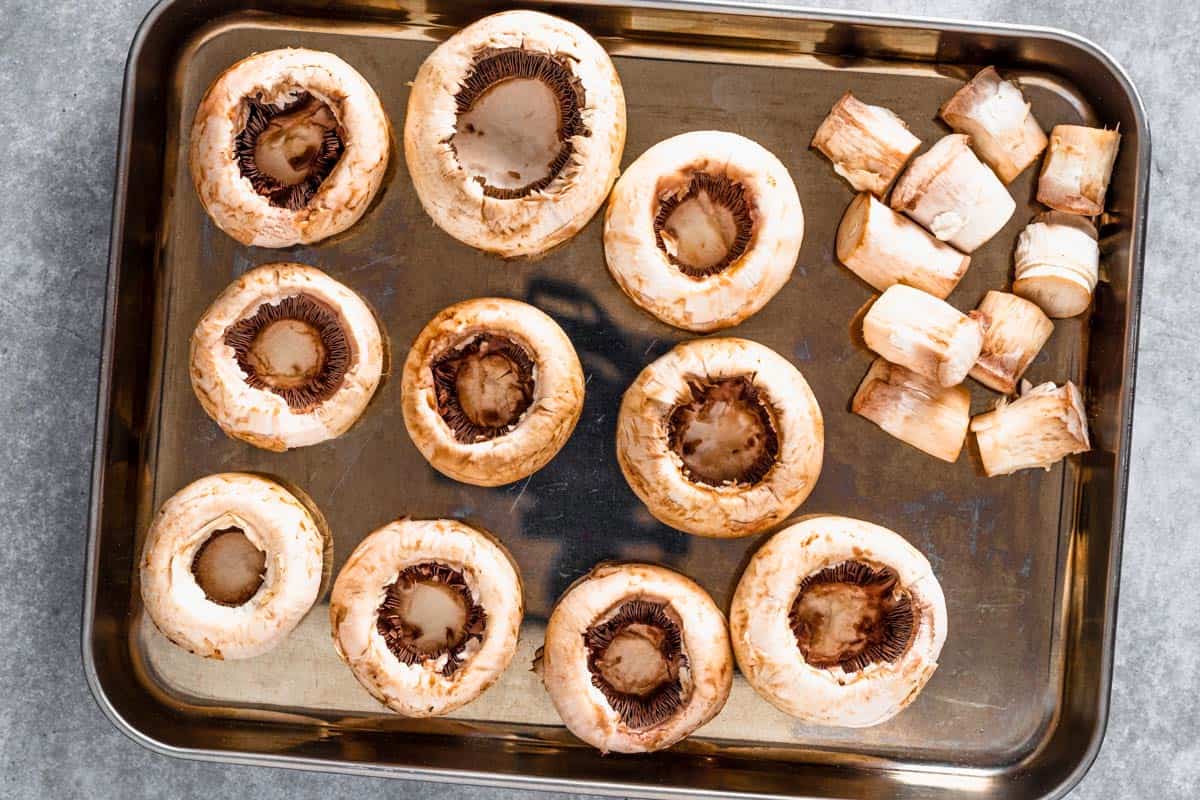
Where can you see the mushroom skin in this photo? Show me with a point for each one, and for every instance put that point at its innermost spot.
(644, 271)
(541, 430)
(421, 690)
(655, 471)
(868, 145)
(260, 416)
(765, 645)
(343, 196)
(707, 676)
(954, 195)
(530, 225)
(999, 120)
(294, 536)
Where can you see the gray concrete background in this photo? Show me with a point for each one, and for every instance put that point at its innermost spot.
(60, 79)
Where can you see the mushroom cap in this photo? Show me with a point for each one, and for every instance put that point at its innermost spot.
(583, 707)
(344, 195)
(643, 270)
(421, 690)
(533, 224)
(260, 416)
(545, 425)
(765, 645)
(293, 537)
(655, 471)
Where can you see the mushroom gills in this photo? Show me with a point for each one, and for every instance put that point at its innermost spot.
(428, 612)
(517, 112)
(852, 615)
(229, 568)
(483, 387)
(296, 348)
(724, 434)
(635, 657)
(287, 151)
(704, 225)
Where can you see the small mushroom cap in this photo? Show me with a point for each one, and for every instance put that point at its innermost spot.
(260, 416)
(275, 521)
(655, 471)
(540, 432)
(533, 224)
(346, 192)
(421, 690)
(646, 274)
(765, 645)
(583, 707)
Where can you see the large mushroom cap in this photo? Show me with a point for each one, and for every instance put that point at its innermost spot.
(514, 132)
(231, 564)
(636, 658)
(837, 621)
(426, 613)
(703, 229)
(288, 147)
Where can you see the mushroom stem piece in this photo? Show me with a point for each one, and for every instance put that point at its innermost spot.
(1015, 333)
(997, 117)
(954, 194)
(1077, 169)
(1040, 428)
(867, 144)
(929, 336)
(1058, 263)
(914, 409)
(885, 248)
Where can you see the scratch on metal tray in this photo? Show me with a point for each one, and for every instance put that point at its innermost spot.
(969, 703)
(520, 494)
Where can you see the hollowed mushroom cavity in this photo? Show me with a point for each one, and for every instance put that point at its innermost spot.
(635, 656)
(703, 225)
(724, 434)
(229, 567)
(852, 615)
(429, 612)
(516, 113)
(286, 151)
(483, 386)
(296, 348)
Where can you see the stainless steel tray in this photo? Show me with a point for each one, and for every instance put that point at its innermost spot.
(1029, 563)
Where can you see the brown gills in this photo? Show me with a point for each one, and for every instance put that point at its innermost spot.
(327, 346)
(493, 67)
(852, 615)
(229, 568)
(712, 191)
(724, 435)
(483, 387)
(303, 136)
(406, 638)
(635, 658)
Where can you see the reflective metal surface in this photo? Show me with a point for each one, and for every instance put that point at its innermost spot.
(1028, 563)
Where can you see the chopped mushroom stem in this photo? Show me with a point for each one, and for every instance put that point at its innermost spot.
(1077, 169)
(954, 195)
(867, 144)
(1040, 428)
(914, 409)
(997, 117)
(1058, 263)
(1016, 331)
(929, 336)
(884, 248)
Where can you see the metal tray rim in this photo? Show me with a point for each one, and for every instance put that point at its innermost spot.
(472, 777)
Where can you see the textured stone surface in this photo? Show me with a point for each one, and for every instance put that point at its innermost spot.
(60, 76)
